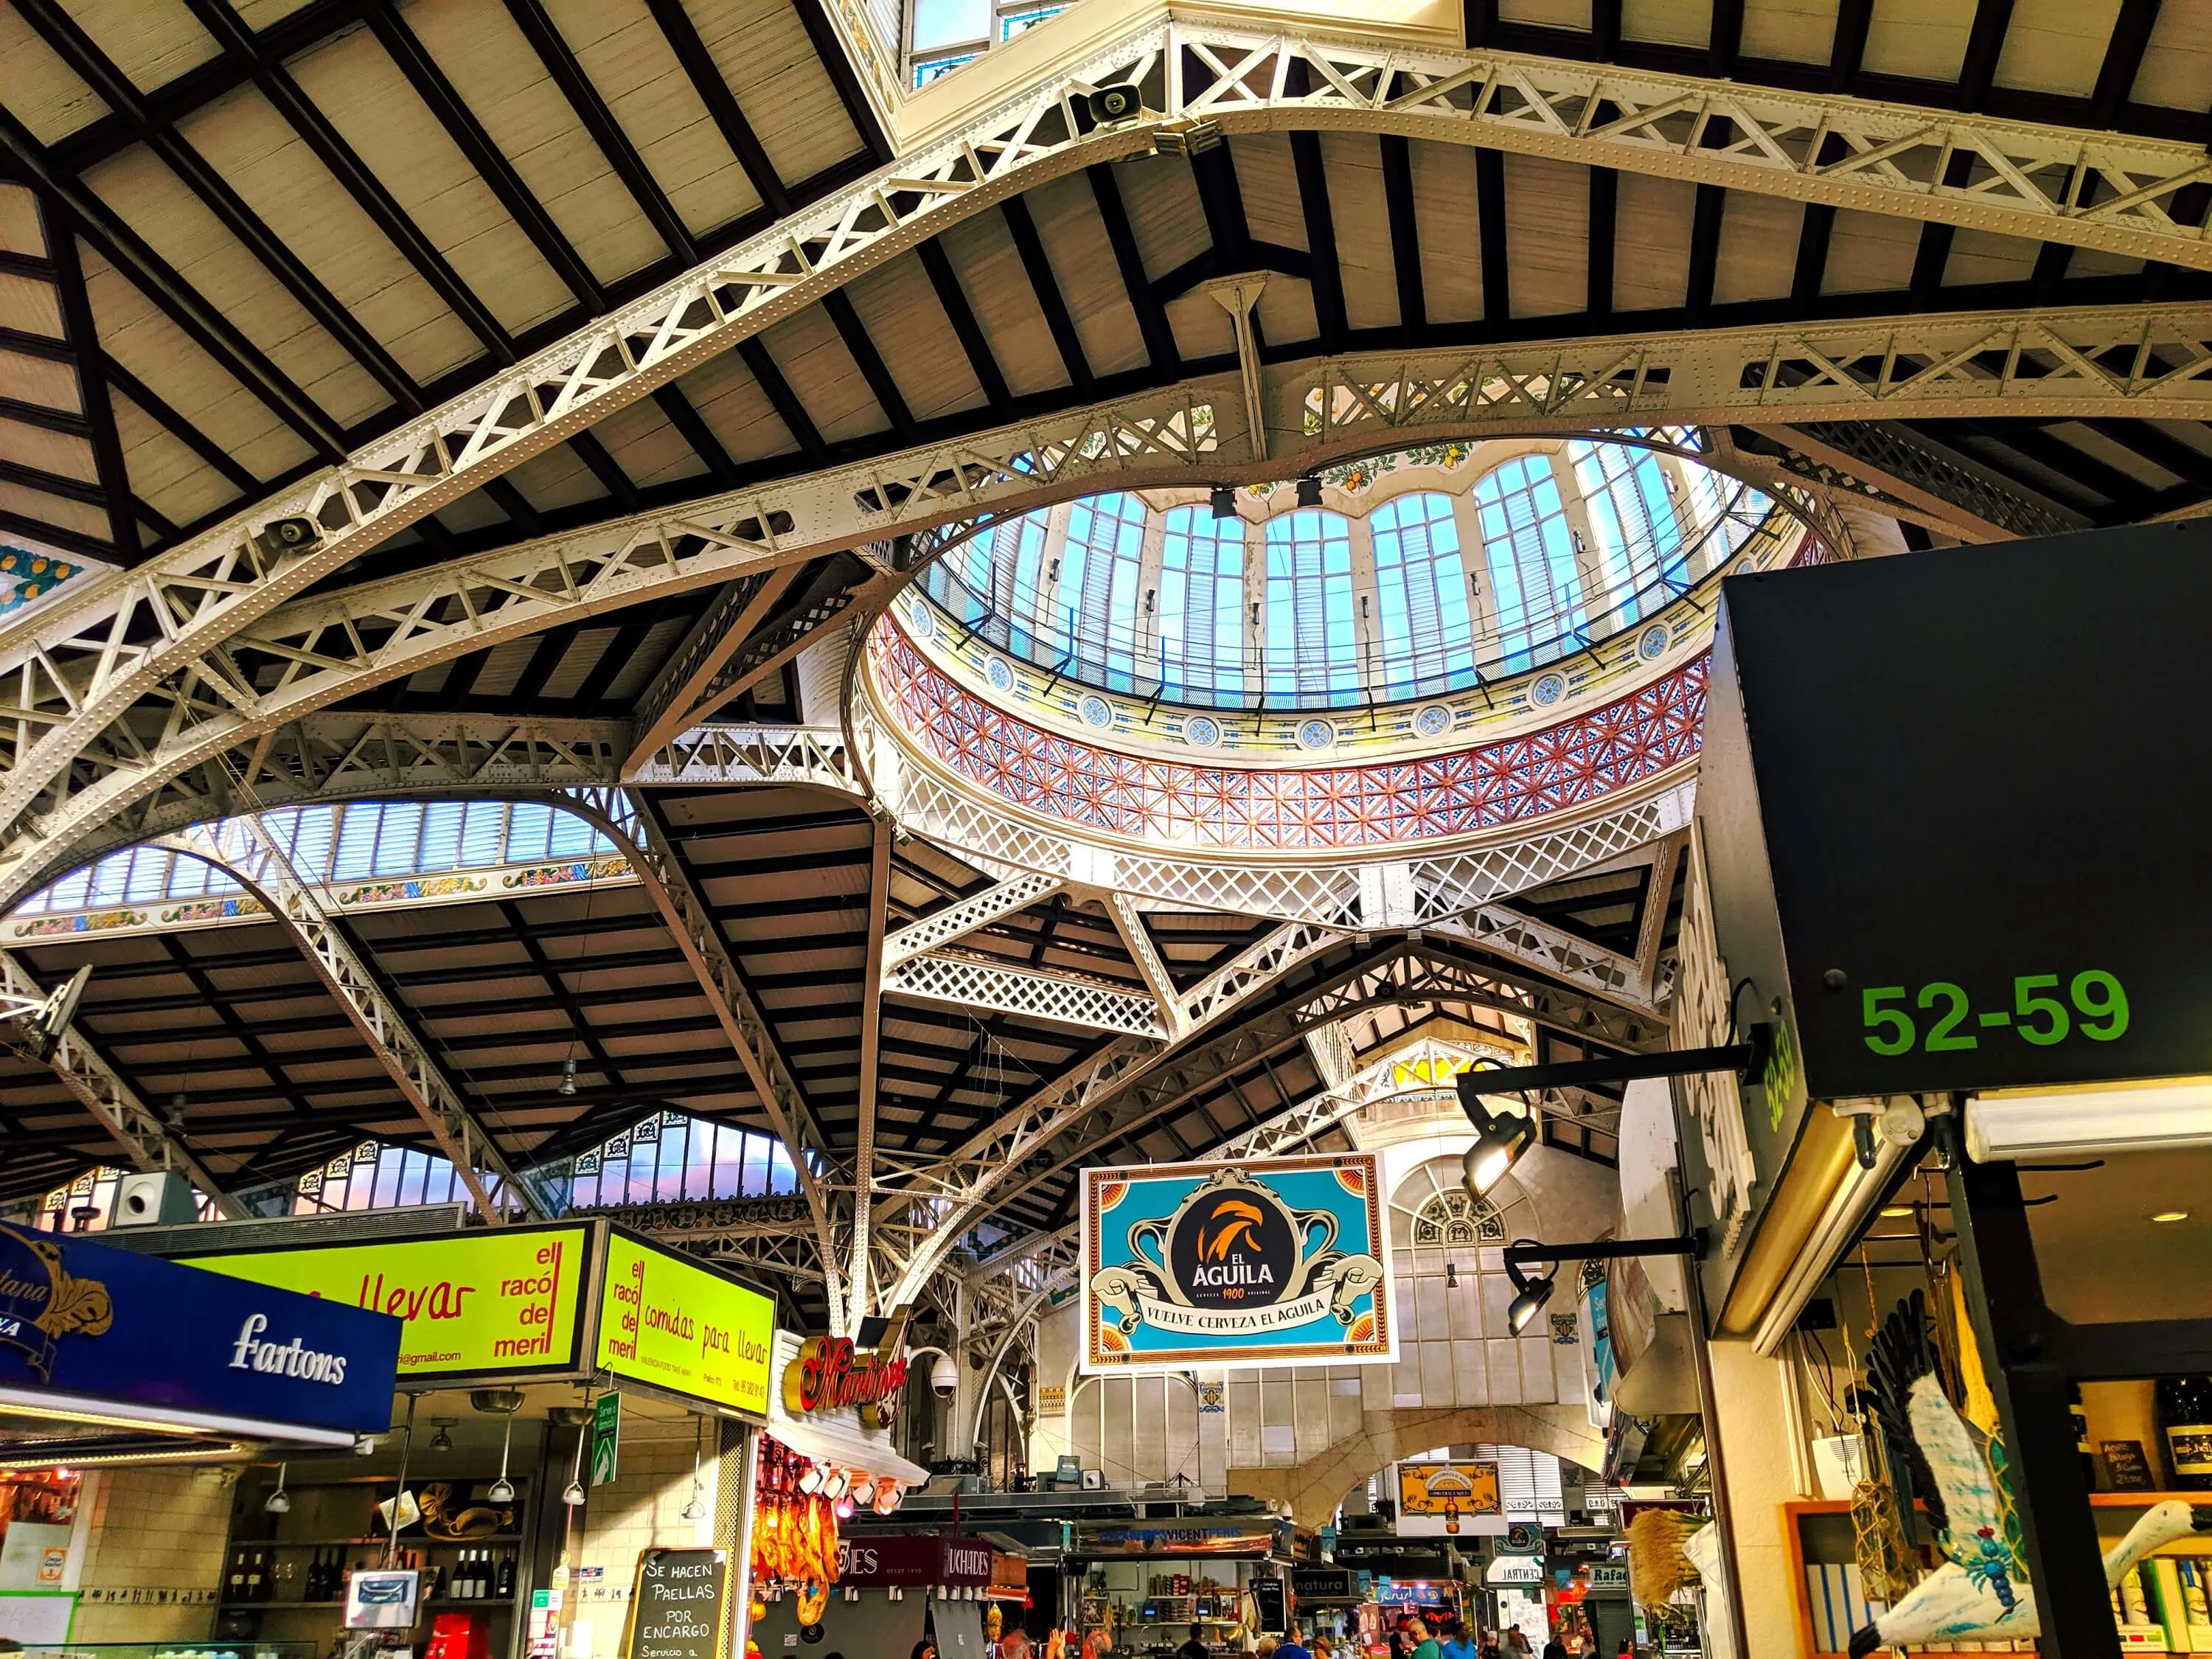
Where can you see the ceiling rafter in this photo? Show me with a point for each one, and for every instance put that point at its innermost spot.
(84, 57)
(591, 110)
(973, 343)
(1151, 316)
(165, 289)
(90, 361)
(220, 19)
(838, 306)
(1029, 247)
(713, 89)
(1405, 234)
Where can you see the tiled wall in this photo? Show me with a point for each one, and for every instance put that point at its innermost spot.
(641, 1508)
(157, 1534)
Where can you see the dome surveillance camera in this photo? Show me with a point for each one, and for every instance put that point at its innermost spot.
(945, 1377)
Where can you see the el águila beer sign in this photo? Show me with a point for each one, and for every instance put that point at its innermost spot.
(1285, 1259)
(505, 1301)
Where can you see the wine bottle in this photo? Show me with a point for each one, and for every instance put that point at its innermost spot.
(235, 1589)
(2185, 1414)
(2082, 1448)
(507, 1576)
(253, 1575)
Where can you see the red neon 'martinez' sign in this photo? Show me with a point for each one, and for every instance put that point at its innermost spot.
(829, 1375)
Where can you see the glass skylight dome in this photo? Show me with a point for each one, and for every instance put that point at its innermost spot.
(1434, 571)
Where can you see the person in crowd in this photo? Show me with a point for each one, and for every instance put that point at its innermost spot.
(1015, 1644)
(1098, 1642)
(924, 1649)
(1322, 1647)
(1516, 1641)
(1295, 1647)
(1459, 1641)
(1424, 1645)
(1555, 1649)
(1267, 1647)
(1195, 1647)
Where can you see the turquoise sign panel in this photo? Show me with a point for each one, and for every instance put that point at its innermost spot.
(1264, 1263)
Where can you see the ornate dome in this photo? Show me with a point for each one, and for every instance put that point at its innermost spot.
(1416, 574)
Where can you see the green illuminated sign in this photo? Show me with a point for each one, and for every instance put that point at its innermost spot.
(2099, 1012)
(668, 1321)
(499, 1301)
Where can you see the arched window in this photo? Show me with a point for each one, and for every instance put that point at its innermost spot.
(1638, 536)
(1531, 554)
(1201, 608)
(1098, 586)
(1313, 653)
(1421, 586)
(1451, 1219)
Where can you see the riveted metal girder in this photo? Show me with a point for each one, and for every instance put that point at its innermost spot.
(109, 697)
(146, 1141)
(245, 847)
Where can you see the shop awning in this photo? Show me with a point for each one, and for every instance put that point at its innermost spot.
(834, 1442)
(107, 1356)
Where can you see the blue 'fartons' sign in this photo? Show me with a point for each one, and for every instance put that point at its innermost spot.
(1236, 1264)
(81, 1319)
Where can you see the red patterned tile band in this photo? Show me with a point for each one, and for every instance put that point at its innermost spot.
(1510, 782)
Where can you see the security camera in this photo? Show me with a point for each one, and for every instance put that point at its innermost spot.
(281, 538)
(945, 1377)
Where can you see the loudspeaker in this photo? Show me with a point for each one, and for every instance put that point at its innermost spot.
(154, 1200)
(1116, 103)
(280, 537)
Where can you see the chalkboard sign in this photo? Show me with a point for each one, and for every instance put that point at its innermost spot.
(680, 1608)
(1268, 1600)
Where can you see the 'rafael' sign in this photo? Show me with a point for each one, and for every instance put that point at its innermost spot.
(830, 1375)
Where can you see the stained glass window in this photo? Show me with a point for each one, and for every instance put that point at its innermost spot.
(1312, 650)
(1200, 650)
(1421, 592)
(1531, 554)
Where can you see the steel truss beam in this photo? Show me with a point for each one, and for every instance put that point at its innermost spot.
(107, 697)
(1914, 479)
(244, 848)
(1133, 1080)
(964, 981)
(2106, 191)
(149, 1144)
(651, 847)
(963, 918)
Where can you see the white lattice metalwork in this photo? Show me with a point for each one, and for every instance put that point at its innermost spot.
(149, 1144)
(244, 847)
(2151, 362)
(973, 982)
(725, 756)
(959, 920)
(1256, 967)
(1552, 949)
(1137, 939)
(115, 693)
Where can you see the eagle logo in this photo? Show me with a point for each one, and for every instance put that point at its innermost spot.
(1233, 1225)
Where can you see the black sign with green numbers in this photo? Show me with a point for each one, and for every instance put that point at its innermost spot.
(1956, 807)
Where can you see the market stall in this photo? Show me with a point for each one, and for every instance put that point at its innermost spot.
(508, 1340)
(1153, 1582)
(824, 1456)
(111, 1359)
